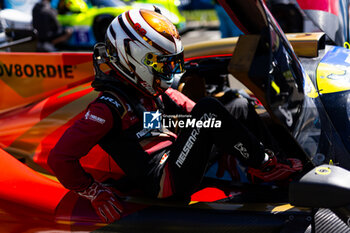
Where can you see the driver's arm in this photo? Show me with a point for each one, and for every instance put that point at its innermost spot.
(76, 142)
(180, 99)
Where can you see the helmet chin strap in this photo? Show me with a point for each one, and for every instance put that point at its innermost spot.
(159, 83)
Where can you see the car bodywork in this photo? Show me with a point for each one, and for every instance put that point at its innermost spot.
(306, 98)
(331, 17)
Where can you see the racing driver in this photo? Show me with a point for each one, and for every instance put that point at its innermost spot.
(144, 52)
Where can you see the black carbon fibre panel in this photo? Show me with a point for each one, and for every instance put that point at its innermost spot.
(328, 222)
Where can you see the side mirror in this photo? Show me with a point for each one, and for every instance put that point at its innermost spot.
(325, 186)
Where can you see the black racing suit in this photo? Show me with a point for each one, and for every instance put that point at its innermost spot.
(158, 161)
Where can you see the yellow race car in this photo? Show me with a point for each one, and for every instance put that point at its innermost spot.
(90, 18)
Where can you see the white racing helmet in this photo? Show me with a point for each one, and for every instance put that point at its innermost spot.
(145, 49)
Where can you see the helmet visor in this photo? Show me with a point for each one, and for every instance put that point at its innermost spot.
(166, 65)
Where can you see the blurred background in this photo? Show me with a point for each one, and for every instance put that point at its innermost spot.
(84, 22)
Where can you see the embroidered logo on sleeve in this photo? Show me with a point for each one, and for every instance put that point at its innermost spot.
(244, 152)
(115, 103)
(92, 117)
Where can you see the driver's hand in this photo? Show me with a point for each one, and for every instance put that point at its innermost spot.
(104, 201)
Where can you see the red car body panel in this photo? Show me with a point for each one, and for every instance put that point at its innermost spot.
(22, 185)
(321, 5)
(30, 77)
